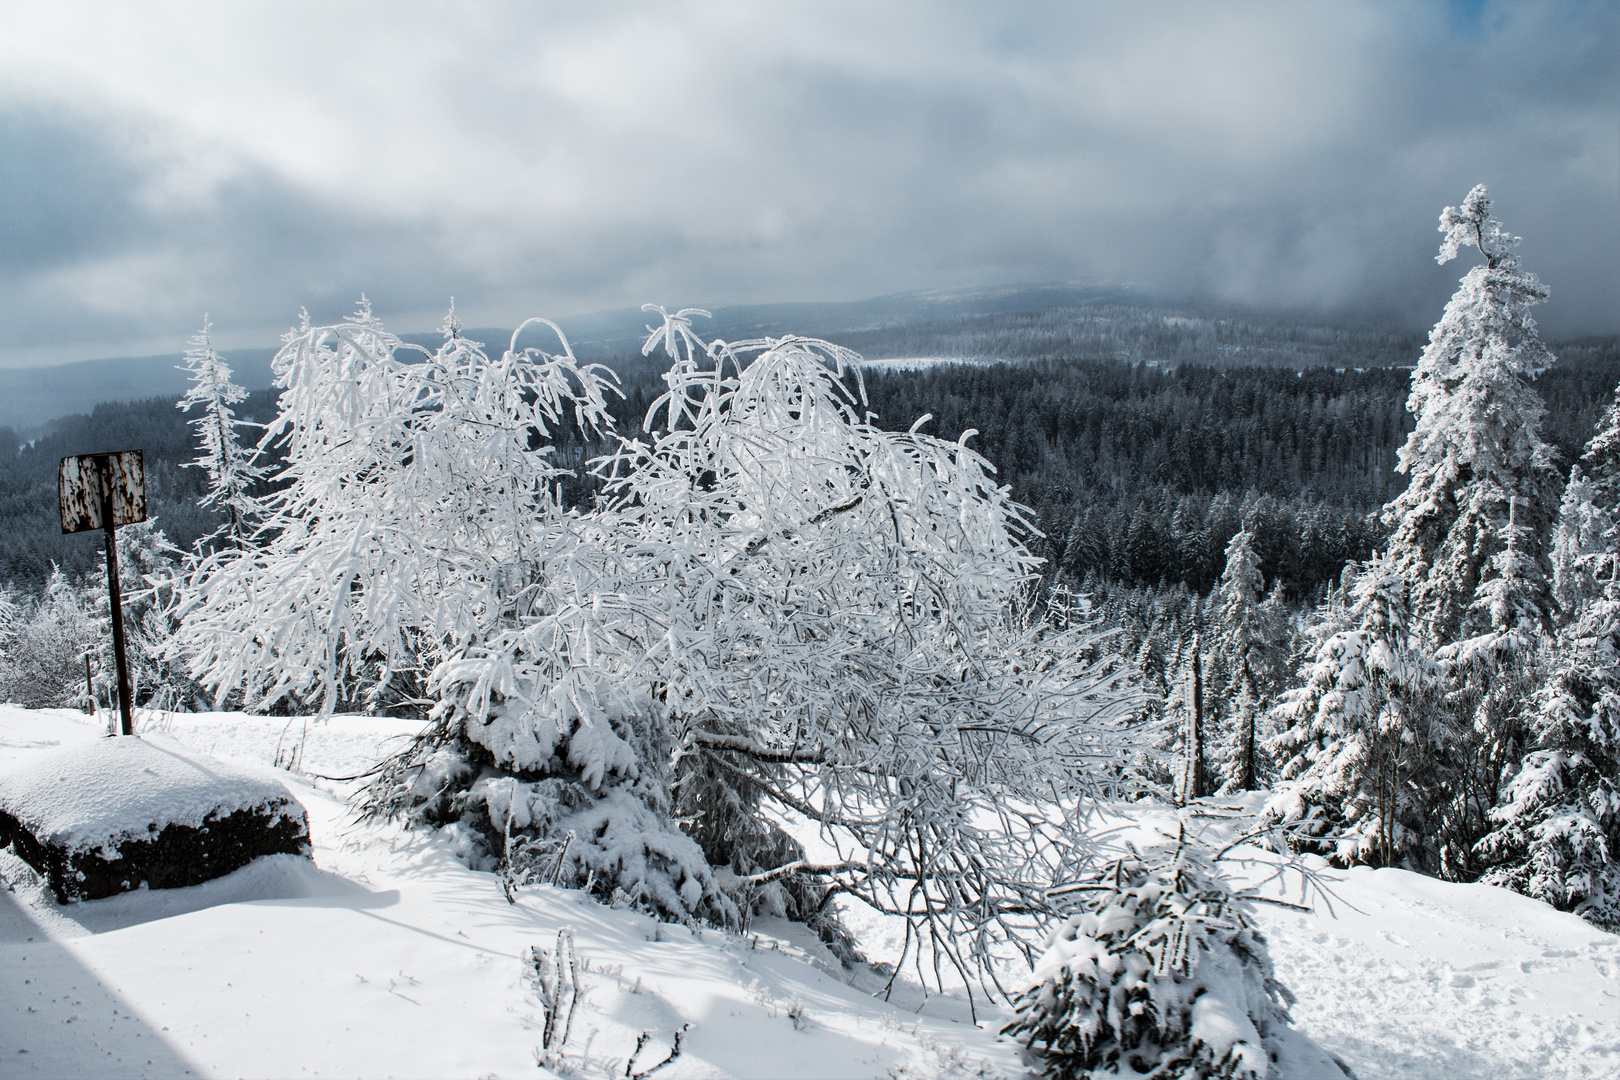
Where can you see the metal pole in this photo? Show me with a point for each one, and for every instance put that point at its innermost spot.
(120, 657)
(89, 685)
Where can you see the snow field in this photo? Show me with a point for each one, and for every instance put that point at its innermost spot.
(392, 959)
(389, 958)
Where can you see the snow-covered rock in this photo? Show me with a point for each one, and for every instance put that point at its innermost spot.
(112, 815)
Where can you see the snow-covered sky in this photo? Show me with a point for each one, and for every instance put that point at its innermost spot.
(160, 160)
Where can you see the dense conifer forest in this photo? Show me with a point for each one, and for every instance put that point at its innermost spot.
(1139, 472)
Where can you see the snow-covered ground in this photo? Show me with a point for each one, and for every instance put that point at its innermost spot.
(388, 958)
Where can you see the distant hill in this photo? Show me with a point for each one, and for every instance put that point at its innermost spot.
(31, 397)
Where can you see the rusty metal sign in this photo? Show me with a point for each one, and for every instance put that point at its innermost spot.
(85, 482)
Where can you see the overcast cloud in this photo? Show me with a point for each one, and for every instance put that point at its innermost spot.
(159, 161)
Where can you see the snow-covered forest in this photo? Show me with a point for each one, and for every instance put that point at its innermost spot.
(780, 644)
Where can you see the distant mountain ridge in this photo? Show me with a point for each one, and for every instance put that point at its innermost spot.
(32, 397)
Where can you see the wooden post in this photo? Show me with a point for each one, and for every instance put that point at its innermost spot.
(89, 685)
(120, 656)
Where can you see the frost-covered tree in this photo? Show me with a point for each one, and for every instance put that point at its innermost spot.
(1557, 827)
(1247, 652)
(42, 663)
(415, 509)
(1579, 551)
(418, 533)
(1491, 676)
(1160, 972)
(1360, 738)
(232, 470)
(841, 633)
(1476, 456)
(1469, 532)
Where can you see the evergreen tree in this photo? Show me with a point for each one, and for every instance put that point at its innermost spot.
(1578, 547)
(232, 472)
(1469, 531)
(1557, 834)
(1159, 973)
(1360, 738)
(1246, 647)
(1476, 456)
(1557, 827)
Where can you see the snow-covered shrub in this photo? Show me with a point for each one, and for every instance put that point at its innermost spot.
(568, 788)
(42, 656)
(1158, 973)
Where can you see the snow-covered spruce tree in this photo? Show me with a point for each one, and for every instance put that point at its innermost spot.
(1578, 547)
(837, 630)
(232, 471)
(1469, 532)
(1247, 653)
(1476, 455)
(1491, 679)
(1158, 973)
(1557, 827)
(1360, 739)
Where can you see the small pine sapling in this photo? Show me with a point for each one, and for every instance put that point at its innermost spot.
(1160, 972)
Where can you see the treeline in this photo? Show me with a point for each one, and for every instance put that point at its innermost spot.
(1137, 334)
(29, 515)
(1142, 474)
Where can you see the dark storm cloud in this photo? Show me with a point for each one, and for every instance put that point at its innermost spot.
(1286, 156)
(65, 193)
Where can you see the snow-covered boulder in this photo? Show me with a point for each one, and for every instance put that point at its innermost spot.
(125, 813)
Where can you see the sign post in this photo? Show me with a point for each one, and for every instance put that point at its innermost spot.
(104, 491)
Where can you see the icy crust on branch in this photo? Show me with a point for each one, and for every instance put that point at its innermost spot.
(1159, 973)
(88, 797)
